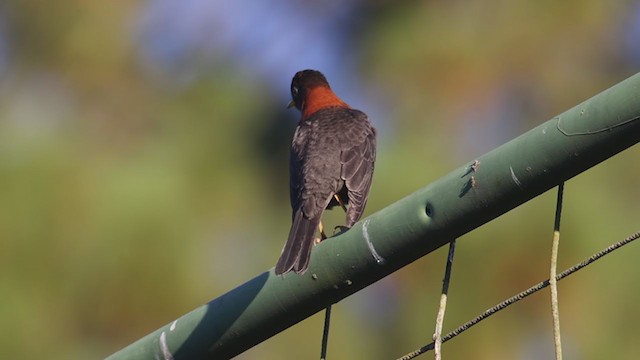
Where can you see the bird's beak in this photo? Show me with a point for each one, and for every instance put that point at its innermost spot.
(291, 104)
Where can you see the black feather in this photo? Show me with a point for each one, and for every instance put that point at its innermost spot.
(297, 250)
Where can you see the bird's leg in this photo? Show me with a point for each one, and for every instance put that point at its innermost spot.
(323, 236)
(340, 202)
(340, 227)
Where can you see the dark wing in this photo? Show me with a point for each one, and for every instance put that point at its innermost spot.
(307, 212)
(296, 180)
(357, 169)
(297, 250)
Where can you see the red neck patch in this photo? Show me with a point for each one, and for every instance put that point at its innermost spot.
(318, 98)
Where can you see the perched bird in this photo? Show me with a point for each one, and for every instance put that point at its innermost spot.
(332, 156)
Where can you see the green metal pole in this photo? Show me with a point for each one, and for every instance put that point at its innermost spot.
(468, 197)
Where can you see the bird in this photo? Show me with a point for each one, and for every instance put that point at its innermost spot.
(332, 158)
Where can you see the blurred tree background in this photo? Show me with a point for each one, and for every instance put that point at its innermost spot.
(144, 166)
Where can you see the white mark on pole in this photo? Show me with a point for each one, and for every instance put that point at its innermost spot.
(173, 325)
(365, 232)
(163, 346)
(515, 179)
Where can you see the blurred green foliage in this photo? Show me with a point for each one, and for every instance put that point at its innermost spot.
(125, 203)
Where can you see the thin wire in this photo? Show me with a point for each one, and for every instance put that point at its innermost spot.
(437, 336)
(522, 295)
(555, 311)
(325, 333)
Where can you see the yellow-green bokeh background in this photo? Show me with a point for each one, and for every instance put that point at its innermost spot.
(127, 200)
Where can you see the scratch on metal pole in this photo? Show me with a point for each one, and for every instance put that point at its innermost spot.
(596, 131)
(163, 346)
(515, 179)
(173, 325)
(365, 232)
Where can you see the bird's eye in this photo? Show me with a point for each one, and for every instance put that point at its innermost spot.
(294, 91)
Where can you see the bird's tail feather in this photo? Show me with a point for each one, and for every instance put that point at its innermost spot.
(297, 251)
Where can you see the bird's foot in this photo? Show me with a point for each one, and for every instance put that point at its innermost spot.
(340, 229)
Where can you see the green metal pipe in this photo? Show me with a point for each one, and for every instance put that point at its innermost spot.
(468, 197)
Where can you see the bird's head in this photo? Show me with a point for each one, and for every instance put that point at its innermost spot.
(310, 91)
